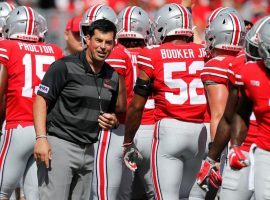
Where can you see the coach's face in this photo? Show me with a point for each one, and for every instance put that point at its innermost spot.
(100, 45)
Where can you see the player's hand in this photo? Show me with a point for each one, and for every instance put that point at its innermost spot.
(42, 151)
(107, 121)
(209, 175)
(132, 157)
(237, 159)
(215, 178)
(187, 3)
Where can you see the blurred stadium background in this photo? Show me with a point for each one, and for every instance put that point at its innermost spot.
(57, 12)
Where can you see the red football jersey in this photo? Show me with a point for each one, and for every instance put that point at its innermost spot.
(119, 59)
(148, 112)
(215, 70)
(256, 84)
(26, 65)
(177, 88)
(233, 69)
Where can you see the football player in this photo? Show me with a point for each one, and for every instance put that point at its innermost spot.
(134, 34)
(171, 72)
(197, 192)
(224, 40)
(254, 96)
(24, 62)
(235, 183)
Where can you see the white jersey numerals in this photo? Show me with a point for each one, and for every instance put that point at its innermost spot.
(40, 60)
(187, 91)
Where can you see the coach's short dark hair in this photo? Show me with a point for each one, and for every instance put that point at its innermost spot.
(102, 25)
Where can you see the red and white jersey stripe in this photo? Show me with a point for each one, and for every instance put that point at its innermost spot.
(216, 70)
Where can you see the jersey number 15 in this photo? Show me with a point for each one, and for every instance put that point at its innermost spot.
(40, 60)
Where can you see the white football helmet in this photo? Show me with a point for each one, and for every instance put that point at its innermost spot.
(251, 39)
(100, 11)
(5, 9)
(172, 19)
(264, 43)
(219, 11)
(133, 22)
(227, 31)
(43, 28)
(22, 23)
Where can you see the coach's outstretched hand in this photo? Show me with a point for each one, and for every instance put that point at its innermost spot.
(131, 155)
(42, 151)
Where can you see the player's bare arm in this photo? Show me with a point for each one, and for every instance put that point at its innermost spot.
(135, 110)
(187, 3)
(42, 150)
(217, 97)
(121, 103)
(222, 134)
(240, 122)
(238, 132)
(3, 87)
(196, 35)
(142, 90)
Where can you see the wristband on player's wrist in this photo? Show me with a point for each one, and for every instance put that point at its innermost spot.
(127, 144)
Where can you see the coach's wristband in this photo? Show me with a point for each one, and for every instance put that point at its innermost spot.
(41, 136)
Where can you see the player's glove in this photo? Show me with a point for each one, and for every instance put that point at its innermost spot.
(131, 155)
(209, 174)
(237, 159)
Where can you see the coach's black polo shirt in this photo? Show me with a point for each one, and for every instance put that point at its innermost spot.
(72, 92)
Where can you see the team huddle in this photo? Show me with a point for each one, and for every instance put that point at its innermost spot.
(147, 110)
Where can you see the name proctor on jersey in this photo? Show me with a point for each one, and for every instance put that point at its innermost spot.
(36, 48)
(180, 53)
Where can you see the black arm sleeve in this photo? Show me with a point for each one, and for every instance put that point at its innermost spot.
(143, 87)
(53, 82)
